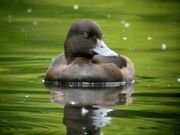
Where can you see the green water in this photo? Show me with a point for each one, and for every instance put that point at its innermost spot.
(33, 32)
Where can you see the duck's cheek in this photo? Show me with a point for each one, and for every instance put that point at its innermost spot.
(102, 49)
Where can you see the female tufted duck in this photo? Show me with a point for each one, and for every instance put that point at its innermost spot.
(87, 58)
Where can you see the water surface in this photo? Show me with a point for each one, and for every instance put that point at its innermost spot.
(33, 32)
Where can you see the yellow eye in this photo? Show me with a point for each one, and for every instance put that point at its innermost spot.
(85, 35)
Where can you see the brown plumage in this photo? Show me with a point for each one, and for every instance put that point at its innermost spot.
(87, 58)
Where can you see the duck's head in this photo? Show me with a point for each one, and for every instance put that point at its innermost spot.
(84, 39)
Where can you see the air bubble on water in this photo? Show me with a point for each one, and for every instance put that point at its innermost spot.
(29, 10)
(76, 6)
(149, 38)
(178, 79)
(124, 38)
(35, 23)
(163, 46)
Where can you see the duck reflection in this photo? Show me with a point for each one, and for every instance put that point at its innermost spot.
(86, 109)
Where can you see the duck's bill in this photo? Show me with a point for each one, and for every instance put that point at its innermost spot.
(102, 49)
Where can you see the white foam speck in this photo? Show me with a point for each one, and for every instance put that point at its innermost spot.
(76, 6)
(133, 81)
(124, 38)
(178, 79)
(26, 96)
(72, 103)
(126, 24)
(163, 46)
(83, 127)
(84, 111)
(149, 38)
(29, 10)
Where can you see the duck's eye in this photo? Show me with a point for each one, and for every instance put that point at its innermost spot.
(85, 35)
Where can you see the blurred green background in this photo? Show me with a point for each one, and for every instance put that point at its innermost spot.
(32, 32)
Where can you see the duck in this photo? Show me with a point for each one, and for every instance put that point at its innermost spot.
(86, 58)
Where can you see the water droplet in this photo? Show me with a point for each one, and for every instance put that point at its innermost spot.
(76, 6)
(84, 111)
(26, 96)
(178, 79)
(163, 46)
(133, 81)
(126, 24)
(124, 38)
(72, 103)
(149, 38)
(29, 10)
(83, 127)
